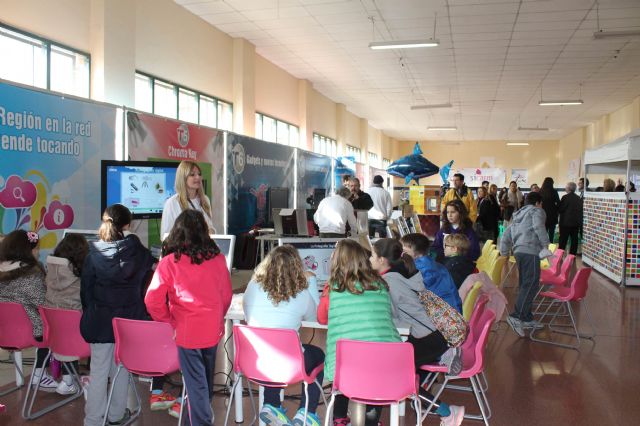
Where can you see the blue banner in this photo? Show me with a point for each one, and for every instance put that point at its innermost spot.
(253, 167)
(314, 172)
(50, 152)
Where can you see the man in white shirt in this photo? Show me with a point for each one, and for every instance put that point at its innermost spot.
(381, 210)
(334, 213)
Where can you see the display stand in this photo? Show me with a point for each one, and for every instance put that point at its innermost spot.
(612, 219)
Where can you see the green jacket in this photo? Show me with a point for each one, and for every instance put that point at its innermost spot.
(365, 316)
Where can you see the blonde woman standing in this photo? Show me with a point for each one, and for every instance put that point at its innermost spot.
(189, 195)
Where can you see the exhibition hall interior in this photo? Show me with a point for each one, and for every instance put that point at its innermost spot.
(319, 212)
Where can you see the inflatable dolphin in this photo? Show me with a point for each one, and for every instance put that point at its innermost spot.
(413, 166)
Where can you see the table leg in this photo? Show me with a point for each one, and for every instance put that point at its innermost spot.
(394, 419)
(238, 393)
(17, 356)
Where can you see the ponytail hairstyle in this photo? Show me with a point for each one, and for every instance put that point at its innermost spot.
(185, 169)
(350, 266)
(391, 249)
(114, 219)
(190, 236)
(74, 248)
(18, 246)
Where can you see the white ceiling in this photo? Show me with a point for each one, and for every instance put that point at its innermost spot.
(494, 58)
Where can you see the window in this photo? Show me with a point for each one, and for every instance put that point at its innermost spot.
(273, 130)
(373, 159)
(162, 97)
(386, 163)
(39, 62)
(324, 145)
(354, 152)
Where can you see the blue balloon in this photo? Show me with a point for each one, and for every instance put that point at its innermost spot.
(444, 172)
(413, 167)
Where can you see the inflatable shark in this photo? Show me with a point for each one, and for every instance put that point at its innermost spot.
(413, 167)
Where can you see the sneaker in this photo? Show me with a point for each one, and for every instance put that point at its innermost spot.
(47, 384)
(125, 418)
(65, 389)
(516, 325)
(536, 325)
(312, 419)
(455, 418)
(274, 416)
(174, 411)
(452, 358)
(342, 421)
(161, 401)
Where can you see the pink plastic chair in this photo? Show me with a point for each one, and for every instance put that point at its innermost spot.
(472, 365)
(146, 348)
(561, 297)
(375, 373)
(270, 356)
(16, 334)
(554, 268)
(62, 336)
(560, 280)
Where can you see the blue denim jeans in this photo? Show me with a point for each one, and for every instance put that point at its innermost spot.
(528, 282)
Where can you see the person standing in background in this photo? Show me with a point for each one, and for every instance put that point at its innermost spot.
(381, 210)
(570, 210)
(511, 201)
(359, 200)
(534, 188)
(582, 188)
(189, 195)
(334, 213)
(462, 193)
(550, 203)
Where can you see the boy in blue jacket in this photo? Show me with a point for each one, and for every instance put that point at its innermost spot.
(436, 278)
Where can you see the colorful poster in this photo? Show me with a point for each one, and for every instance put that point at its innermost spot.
(475, 177)
(150, 137)
(50, 152)
(521, 176)
(253, 167)
(314, 172)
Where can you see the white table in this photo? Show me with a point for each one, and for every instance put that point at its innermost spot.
(235, 315)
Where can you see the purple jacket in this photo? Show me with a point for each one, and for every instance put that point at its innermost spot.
(474, 249)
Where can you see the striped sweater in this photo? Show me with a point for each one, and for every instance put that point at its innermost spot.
(365, 316)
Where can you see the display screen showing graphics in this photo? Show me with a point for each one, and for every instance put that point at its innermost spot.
(141, 186)
(315, 254)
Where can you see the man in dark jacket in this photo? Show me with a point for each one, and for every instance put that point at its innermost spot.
(570, 218)
(359, 200)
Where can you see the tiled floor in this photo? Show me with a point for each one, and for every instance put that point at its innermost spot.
(530, 383)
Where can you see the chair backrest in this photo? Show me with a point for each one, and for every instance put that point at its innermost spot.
(553, 247)
(486, 248)
(580, 283)
(62, 332)
(16, 330)
(473, 358)
(268, 354)
(478, 311)
(490, 259)
(556, 260)
(496, 270)
(470, 301)
(374, 372)
(145, 347)
(565, 270)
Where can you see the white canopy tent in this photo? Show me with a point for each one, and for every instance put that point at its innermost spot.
(616, 157)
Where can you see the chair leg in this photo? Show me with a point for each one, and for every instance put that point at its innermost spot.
(253, 403)
(328, 417)
(184, 393)
(30, 396)
(19, 370)
(575, 333)
(306, 402)
(324, 399)
(138, 410)
(106, 412)
(476, 391)
(417, 405)
(435, 397)
(233, 388)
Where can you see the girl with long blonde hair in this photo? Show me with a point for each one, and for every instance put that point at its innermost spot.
(189, 195)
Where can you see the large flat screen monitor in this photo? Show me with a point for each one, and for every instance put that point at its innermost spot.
(316, 255)
(226, 244)
(141, 186)
(91, 235)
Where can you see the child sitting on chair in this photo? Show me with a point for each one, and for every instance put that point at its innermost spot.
(435, 276)
(456, 261)
(193, 276)
(279, 295)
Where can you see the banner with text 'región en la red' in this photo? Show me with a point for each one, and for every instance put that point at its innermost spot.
(151, 137)
(50, 152)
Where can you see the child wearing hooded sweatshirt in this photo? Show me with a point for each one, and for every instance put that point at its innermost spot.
(429, 345)
(64, 267)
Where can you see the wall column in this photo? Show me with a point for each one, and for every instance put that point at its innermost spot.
(244, 87)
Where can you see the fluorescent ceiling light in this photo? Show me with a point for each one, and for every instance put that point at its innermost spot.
(607, 34)
(432, 106)
(561, 103)
(407, 44)
(446, 129)
(534, 129)
(517, 143)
